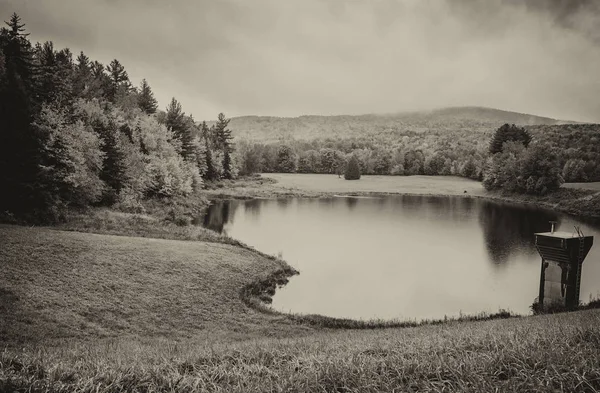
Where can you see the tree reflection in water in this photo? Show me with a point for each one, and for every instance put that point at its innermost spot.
(509, 229)
(218, 214)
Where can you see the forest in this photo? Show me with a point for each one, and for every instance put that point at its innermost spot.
(76, 132)
(460, 150)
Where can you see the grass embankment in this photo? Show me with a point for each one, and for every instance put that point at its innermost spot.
(67, 285)
(537, 354)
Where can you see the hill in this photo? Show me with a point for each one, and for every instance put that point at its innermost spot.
(268, 128)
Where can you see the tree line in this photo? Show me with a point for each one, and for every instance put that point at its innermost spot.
(76, 132)
(573, 149)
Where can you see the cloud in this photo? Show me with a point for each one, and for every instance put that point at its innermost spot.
(288, 58)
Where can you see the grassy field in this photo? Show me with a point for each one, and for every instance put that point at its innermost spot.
(316, 185)
(58, 285)
(441, 185)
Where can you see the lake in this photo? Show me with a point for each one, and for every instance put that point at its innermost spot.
(407, 257)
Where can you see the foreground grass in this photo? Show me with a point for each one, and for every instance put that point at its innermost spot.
(58, 285)
(536, 354)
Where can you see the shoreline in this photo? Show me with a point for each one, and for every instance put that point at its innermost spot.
(567, 200)
(253, 295)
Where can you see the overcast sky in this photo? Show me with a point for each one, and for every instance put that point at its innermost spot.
(295, 57)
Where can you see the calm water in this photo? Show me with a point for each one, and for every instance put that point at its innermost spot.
(402, 256)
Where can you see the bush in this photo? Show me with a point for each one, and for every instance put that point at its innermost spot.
(352, 169)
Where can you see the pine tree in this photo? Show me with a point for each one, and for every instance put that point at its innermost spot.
(211, 172)
(100, 83)
(19, 147)
(54, 75)
(82, 76)
(66, 68)
(146, 100)
(113, 166)
(181, 127)
(118, 79)
(223, 138)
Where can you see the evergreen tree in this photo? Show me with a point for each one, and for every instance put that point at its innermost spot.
(119, 80)
(82, 76)
(100, 83)
(508, 133)
(146, 100)
(66, 68)
(223, 138)
(352, 169)
(19, 147)
(181, 127)
(54, 75)
(211, 172)
(113, 168)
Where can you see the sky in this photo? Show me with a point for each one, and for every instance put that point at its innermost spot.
(331, 57)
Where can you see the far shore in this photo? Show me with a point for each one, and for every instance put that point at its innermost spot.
(578, 199)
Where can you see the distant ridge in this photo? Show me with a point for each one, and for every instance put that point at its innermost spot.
(306, 127)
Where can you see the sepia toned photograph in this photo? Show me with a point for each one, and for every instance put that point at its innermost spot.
(338, 196)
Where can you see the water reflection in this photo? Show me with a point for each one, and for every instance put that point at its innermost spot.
(399, 256)
(218, 214)
(508, 230)
(351, 203)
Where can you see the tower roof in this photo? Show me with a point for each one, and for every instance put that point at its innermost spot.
(560, 235)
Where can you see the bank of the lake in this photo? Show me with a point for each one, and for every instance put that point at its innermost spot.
(579, 199)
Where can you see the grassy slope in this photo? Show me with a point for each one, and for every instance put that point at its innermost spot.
(71, 285)
(538, 354)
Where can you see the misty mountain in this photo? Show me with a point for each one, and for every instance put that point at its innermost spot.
(479, 119)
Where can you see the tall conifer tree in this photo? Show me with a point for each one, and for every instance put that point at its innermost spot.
(146, 100)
